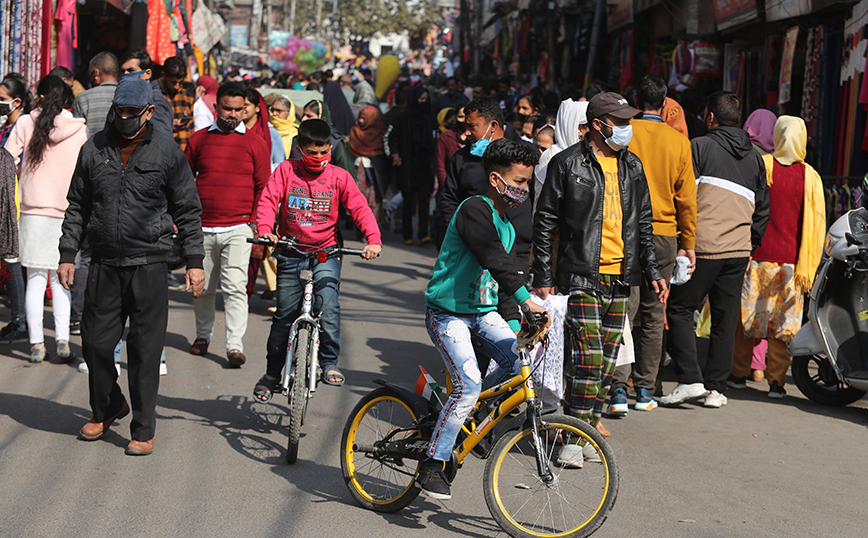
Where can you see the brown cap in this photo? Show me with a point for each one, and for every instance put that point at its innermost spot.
(612, 104)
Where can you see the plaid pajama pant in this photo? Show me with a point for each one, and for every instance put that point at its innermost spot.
(594, 329)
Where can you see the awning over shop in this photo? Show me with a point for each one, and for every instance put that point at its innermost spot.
(729, 13)
(777, 10)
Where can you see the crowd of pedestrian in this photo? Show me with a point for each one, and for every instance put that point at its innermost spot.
(636, 213)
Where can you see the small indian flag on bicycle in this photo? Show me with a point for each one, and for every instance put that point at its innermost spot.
(427, 388)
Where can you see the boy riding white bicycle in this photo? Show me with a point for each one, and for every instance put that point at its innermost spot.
(308, 192)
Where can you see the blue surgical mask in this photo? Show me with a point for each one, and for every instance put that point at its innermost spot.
(478, 148)
(621, 137)
(137, 74)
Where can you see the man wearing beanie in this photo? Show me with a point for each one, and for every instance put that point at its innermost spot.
(596, 196)
(131, 183)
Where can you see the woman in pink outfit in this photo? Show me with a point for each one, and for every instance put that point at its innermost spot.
(48, 141)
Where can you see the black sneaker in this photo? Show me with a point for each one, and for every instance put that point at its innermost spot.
(13, 334)
(75, 328)
(776, 391)
(267, 295)
(736, 382)
(433, 481)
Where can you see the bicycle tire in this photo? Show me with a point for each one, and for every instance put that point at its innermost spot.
(381, 484)
(525, 507)
(298, 394)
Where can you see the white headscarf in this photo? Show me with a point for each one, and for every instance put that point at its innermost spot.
(571, 114)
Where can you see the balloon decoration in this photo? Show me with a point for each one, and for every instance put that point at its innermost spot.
(387, 73)
(291, 54)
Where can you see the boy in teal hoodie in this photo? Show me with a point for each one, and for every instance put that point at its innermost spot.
(475, 291)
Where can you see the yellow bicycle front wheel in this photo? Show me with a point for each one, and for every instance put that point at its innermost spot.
(578, 499)
(379, 483)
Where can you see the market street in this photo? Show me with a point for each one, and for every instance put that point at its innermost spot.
(756, 467)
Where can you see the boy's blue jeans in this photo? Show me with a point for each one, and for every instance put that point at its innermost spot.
(290, 288)
(451, 333)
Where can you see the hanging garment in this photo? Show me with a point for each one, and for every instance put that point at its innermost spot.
(66, 20)
(139, 26)
(159, 42)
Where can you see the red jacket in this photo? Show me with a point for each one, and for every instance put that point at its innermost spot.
(447, 145)
(231, 172)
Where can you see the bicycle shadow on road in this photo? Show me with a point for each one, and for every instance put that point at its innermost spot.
(243, 423)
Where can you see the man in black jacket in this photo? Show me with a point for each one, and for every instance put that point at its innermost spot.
(130, 184)
(596, 196)
(465, 176)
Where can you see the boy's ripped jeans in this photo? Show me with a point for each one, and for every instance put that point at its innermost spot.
(451, 333)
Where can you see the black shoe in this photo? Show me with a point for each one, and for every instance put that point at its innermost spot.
(433, 481)
(267, 295)
(14, 334)
(736, 382)
(75, 327)
(776, 391)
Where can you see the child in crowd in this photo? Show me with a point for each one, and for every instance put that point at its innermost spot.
(309, 191)
(475, 290)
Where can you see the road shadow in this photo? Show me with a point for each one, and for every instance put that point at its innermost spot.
(758, 394)
(49, 416)
(421, 514)
(243, 423)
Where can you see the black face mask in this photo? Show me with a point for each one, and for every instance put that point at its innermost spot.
(460, 126)
(128, 126)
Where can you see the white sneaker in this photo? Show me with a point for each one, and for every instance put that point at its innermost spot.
(682, 393)
(571, 457)
(590, 454)
(715, 399)
(163, 369)
(82, 368)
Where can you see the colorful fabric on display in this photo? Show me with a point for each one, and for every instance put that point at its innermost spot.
(160, 45)
(45, 46)
(23, 33)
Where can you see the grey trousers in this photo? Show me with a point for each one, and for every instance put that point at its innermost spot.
(648, 332)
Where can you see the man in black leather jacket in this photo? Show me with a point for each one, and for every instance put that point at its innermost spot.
(596, 197)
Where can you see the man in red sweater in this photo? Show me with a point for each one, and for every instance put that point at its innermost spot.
(231, 169)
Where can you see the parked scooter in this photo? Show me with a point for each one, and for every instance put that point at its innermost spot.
(830, 352)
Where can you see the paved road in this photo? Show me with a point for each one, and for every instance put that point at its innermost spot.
(753, 468)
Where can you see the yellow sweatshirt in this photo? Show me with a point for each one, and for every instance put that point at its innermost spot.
(668, 164)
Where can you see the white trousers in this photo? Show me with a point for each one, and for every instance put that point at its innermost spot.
(35, 305)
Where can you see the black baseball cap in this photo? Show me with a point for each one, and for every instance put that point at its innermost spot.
(611, 104)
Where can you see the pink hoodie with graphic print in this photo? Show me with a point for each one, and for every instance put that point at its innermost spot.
(309, 205)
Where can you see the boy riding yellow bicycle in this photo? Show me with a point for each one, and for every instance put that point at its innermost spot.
(474, 291)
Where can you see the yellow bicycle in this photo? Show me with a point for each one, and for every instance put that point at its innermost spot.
(530, 491)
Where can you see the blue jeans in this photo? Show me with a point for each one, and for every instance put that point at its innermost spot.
(290, 288)
(451, 333)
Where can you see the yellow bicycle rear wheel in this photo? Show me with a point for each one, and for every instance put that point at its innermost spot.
(379, 483)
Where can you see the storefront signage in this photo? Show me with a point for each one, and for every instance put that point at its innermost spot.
(777, 10)
(238, 35)
(729, 13)
(786, 80)
(620, 13)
